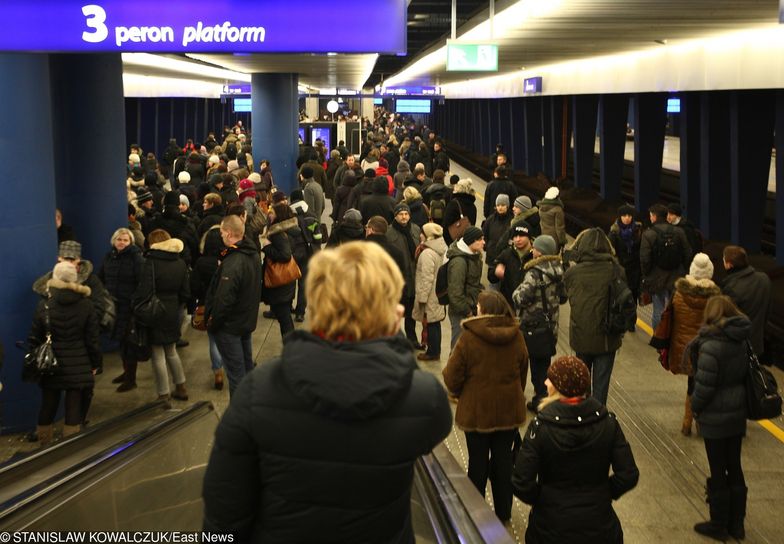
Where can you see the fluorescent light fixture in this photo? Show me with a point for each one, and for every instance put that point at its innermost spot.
(182, 66)
(136, 85)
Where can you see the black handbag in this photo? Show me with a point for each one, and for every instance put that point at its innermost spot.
(149, 311)
(40, 361)
(138, 339)
(762, 392)
(538, 330)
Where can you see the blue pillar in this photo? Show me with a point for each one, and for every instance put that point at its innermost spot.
(88, 125)
(690, 156)
(650, 119)
(715, 164)
(517, 120)
(28, 237)
(585, 109)
(533, 135)
(751, 139)
(556, 132)
(547, 137)
(275, 118)
(613, 112)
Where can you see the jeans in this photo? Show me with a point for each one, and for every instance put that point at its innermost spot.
(724, 461)
(660, 301)
(237, 355)
(539, 368)
(215, 356)
(490, 455)
(434, 338)
(163, 356)
(600, 365)
(283, 315)
(455, 320)
(302, 303)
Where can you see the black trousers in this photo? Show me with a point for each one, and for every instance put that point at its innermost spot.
(408, 322)
(50, 401)
(490, 455)
(724, 461)
(283, 315)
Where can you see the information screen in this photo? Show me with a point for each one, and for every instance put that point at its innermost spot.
(242, 105)
(321, 132)
(673, 105)
(302, 134)
(412, 105)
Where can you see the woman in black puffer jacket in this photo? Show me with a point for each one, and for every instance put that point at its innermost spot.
(277, 248)
(719, 405)
(120, 273)
(172, 287)
(74, 328)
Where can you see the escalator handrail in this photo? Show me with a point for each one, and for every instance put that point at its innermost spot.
(52, 484)
(90, 431)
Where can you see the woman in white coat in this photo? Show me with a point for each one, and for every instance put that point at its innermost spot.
(426, 308)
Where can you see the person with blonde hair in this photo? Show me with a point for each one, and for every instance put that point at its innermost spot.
(419, 212)
(563, 468)
(427, 309)
(322, 440)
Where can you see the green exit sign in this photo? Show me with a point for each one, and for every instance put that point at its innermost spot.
(471, 57)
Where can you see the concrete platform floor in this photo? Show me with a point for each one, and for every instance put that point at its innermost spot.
(648, 401)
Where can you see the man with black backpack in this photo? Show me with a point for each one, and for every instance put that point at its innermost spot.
(693, 234)
(665, 255)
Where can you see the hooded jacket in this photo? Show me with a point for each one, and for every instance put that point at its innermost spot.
(563, 471)
(232, 300)
(279, 250)
(427, 266)
(314, 196)
(342, 192)
(459, 202)
(322, 441)
(487, 371)
(719, 398)
(688, 306)
(464, 276)
(172, 287)
(545, 272)
(551, 219)
(344, 232)
(74, 329)
(587, 286)
(378, 203)
(750, 290)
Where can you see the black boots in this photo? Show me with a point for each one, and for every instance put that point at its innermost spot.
(727, 513)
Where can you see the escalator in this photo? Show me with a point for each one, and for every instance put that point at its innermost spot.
(144, 471)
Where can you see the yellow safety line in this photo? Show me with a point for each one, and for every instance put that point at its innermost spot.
(766, 424)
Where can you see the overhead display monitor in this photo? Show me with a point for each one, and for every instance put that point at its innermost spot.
(412, 105)
(673, 105)
(321, 132)
(471, 57)
(378, 101)
(301, 131)
(242, 105)
(532, 85)
(206, 26)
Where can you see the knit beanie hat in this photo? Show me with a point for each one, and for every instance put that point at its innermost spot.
(552, 193)
(70, 249)
(352, 215)
(134, 158)
(546, 244)
(213, 159)
(471, 235)
(569, 376)
(64, 272)
(701, 267)
(184, 200)
(502, 200)
(432, 230)
(522, 203)
(675, 209)
(306, 172)
(402, 207)
(143, 195)
(171, 199)
(184, 177)
(246, 185)
(370, 173)
(626, 209)
(233, 165)
(520, 230)
(255, 177)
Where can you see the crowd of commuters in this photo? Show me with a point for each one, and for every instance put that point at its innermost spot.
(210, 235)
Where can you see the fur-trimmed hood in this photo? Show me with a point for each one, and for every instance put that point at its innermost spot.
(556, 259)
(699, 288)
(494, 329)
(40, 286)
(54, 283)
(283, 226)
(172, 245)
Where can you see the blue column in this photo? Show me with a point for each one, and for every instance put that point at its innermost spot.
(28, 236)
(690, 156)
(585, 109)
(547, 137)
(533, 135)
(613, 112)
(556, 132)
(715, 165)
(88, 125)
(517, 146)
(751, 139)
(650, 119)
(275, 118)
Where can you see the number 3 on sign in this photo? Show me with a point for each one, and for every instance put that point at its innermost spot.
(96, 17)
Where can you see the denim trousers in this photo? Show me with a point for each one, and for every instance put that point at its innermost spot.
(215, 357)
(237, 354)
(601, 366)
(455, 320)
(660, 301)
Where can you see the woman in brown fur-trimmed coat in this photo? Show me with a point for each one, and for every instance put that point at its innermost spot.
(681, 323)
(487, 371)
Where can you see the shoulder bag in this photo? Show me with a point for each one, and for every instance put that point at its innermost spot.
(150, 310)
(458, 228)
(538, 329)
(278, 274)
(40, 361)
(762, 393)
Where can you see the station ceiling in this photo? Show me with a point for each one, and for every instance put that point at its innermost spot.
(531, 33)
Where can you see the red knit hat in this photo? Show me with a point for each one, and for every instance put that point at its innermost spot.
(569, 376)
(246, 190)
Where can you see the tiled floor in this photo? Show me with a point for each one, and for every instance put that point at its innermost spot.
(647, 400)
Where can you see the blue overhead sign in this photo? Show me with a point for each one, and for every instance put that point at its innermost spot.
(207, 26)
(532, 85)
(410, 91)
(240, 88)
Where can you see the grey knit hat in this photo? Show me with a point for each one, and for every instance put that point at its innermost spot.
(523, 203)
(546, 245)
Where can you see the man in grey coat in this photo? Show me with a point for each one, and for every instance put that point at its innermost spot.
(403, 235)
(749, 290)
(312, 191)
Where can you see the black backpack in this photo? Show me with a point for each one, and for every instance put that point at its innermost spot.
(621, 314)
(667, 251)
(442, 283)
(437, 209)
